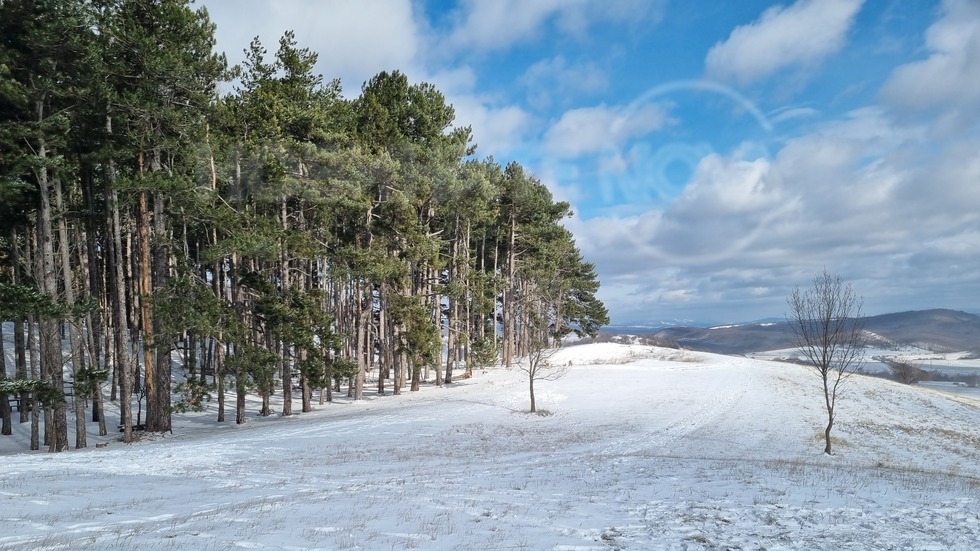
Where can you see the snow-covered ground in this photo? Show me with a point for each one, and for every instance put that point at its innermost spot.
(640, 448)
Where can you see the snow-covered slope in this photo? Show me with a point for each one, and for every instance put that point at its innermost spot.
(641, 448)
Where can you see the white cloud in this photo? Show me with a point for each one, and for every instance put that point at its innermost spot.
(802, 34)
(729, 186)
(355, 39)
(866, 196)
(601, 128)
(949, 76)
(549, 76)
(792, 113)
(498, 130)
(500, 24)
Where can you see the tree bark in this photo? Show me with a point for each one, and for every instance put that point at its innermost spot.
(530, 383)
(7, 428)
(145, 290)
(363, 338)
(828, 447)
(20, 336)
(34, 374)
(51, 354)
(287, 372)
(74, 339)
(123, 358)
(161, 420)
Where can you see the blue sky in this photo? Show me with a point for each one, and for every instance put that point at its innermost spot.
(716, 154)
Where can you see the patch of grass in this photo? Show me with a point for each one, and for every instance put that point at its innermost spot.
(667, 355)
(835, 441)
(680, 356)
(968, 439)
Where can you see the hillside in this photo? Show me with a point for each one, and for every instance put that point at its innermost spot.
(939, 330)
(642, 448)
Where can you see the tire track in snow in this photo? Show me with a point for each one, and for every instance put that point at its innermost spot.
(709, 408)
(714, 407)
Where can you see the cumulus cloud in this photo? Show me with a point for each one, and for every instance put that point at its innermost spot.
(802, 34)
(593, 129)
(547, 76)
(497, 129)
(866, 196)
(499, 24)
(355, 39)
(948, 77)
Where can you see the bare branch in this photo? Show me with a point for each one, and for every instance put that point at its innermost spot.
(826, 323)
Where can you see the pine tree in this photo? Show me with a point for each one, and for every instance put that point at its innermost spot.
(278, 233)
(163, 77)
(45, 60)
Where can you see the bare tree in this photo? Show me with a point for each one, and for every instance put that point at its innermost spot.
(538, 367)
(536, 333)
(905, 370)
(826, 321)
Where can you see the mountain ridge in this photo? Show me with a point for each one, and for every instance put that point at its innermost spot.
(938, 329)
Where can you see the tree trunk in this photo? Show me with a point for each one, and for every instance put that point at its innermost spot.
(20, 364)
(386, 356)
(94, 270)
(326, 392)
(530, 378)
(51, 353)
(304, 385)
(161, 420)
(830, 418)
(428, 290)
(284, 278)
(826, 435)
(123, 358)
(362, 342)
(416, 377)
(510, 306)
(7, 428)
(131, 288)
(34, 374)
(266, 409)
(240, 404)
(98, 404)
(219, 383)
(145, 288)
(74, 339)
(20, 337)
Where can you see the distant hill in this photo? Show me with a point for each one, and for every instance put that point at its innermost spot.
(653, 326)
(940, 330)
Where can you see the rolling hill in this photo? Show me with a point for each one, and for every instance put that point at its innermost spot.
(939, 330)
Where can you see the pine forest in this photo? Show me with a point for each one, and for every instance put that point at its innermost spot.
(185, 232)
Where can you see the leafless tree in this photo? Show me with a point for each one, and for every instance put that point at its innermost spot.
(537, 367)
(905, 370)
(826, 321)
(536, 364)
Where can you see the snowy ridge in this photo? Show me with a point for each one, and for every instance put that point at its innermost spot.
(641, 448)
(875, 340)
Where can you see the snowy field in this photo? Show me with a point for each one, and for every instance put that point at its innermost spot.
(641, 448)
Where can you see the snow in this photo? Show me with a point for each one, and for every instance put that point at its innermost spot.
(639, 448)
